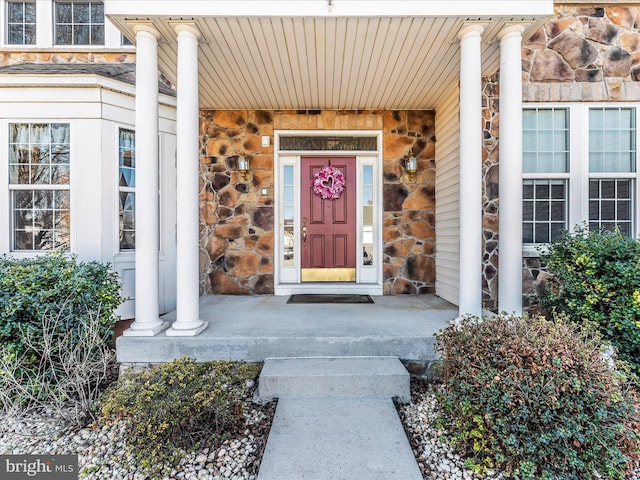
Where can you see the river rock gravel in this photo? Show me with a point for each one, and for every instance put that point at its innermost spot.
(101, 452)
(437, 461)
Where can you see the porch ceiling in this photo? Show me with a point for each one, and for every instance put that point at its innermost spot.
(351, 62)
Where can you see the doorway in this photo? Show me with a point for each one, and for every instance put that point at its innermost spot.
(328, 219)
(328, 215)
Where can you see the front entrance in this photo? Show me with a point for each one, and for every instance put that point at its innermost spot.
(328, 225)
(328, 212)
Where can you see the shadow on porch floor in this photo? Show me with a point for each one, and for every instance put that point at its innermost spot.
(253, 328)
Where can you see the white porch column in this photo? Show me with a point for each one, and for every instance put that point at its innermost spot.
(470, 290)
(510, 215)
(188, 321)
(147, 321)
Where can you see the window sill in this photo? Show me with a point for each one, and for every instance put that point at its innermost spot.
(35, 253)
(130, 255)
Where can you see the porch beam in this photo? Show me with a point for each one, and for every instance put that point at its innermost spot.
(470, 283)
(147, 312)
(510, 152)
(188, 321)
(324, 8)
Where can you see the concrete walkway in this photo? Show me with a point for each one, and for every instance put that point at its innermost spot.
(336, 420)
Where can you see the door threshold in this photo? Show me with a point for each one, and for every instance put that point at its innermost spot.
(328, 288)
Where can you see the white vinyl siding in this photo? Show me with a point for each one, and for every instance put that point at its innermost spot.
(96, 109)
(447, 199)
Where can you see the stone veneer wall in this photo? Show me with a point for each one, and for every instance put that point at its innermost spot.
(47, 56)
(409, 207)
(586, 52)
(490, 197)
(236, 222)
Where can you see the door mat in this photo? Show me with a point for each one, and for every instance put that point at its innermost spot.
(327, 298)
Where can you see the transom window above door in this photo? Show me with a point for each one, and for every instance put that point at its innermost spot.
(329, 143)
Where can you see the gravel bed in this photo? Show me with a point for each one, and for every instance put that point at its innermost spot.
(100, 448)
(435, 459)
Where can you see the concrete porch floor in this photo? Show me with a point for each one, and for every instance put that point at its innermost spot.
(253, 328)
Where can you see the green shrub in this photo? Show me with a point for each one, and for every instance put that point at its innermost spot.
(596, 278)
(534, 397)
(56, 329)
(55, 285)
(177, 407)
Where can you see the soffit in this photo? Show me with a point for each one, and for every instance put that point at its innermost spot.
(326, 62)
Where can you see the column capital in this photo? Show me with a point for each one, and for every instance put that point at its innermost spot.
(188, 27)
(469, 28)
(147, 27)
(512, 29)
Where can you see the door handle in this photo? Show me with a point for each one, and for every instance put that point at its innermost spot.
(304, 234)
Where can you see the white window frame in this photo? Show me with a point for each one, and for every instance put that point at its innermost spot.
(45, 19)
(563, 176)
(12, 187)
(5, 23)
(115, 166)
(120, 128)
(579, 174)
(89, 24)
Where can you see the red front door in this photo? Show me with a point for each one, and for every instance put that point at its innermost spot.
(328, 225)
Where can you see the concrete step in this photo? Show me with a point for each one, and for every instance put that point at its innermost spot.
(337, 439)
(255, 327)
(334, 377)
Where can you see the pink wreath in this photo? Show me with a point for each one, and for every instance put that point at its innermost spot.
(328, 183)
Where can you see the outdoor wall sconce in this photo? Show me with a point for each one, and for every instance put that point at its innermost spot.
(411, 167)
(243, 166)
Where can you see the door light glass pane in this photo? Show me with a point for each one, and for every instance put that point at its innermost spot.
(288, 212)
(367, 215)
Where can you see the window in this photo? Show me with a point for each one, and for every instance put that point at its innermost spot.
(21, 23)
(39, 177)
(125, 42)
(612, 154)
(127, 184)
(545, 163)
(579, 165)
(333, 143)
(367, 214)
(79, 23)
(288, 209)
